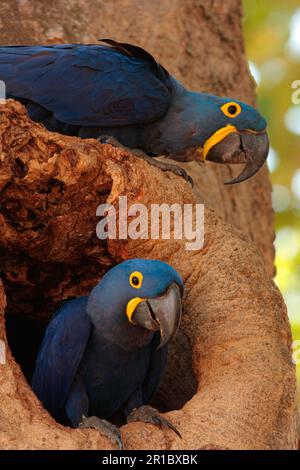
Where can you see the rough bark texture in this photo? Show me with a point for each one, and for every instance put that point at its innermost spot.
(199, 41)
(234, 344)
(234, 320)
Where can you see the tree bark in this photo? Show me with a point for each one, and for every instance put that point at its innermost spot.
(230, 376)
(199, 41)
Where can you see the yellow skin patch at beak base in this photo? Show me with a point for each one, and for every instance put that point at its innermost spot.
(131, 306)
(216, 138)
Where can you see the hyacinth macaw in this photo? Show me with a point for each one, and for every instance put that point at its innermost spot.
(119, 90)
(104, 355)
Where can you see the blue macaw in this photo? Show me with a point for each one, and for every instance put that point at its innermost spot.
(104, 355)
(119, 90)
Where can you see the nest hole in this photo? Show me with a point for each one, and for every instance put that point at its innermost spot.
(34, 294)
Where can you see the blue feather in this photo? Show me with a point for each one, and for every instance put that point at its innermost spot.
(60, 354)
(92, 359)
(119, 91)
(85, 85)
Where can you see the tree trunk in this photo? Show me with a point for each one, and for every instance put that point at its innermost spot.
(230, 376)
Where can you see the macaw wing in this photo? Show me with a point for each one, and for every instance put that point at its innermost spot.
(157, 366)
(88, 85)
(60, 354)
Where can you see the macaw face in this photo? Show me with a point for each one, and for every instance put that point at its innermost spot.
(137, 298)
(221, 130)
(234, 133)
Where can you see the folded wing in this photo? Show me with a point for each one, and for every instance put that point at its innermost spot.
(88, 85)
(61, 352)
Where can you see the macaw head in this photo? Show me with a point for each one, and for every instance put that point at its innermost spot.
(134, 300)
(225, 130)
(228, 131)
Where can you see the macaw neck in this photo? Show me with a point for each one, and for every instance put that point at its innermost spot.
(178, 130)
(116, 330)
(124, 340)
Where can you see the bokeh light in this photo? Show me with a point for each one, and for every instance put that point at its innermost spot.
(280, 198)
(273, 160)
(255, 72)
(293, 44)
(273, 71)
(292, 119)
(272, 33)
(296, 184)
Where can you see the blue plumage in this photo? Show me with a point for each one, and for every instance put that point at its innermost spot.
(93, 360)
(85, 85)
(60, 354)
(121, 91)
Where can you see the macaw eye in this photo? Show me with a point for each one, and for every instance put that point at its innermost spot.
(231, 109)
(136, 279)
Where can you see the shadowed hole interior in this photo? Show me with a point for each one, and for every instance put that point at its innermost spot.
(35, 289)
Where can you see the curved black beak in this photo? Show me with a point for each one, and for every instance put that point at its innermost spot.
(247, 147)
(162, 313)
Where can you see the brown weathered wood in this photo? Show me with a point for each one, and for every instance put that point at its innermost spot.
(199, 41)
(234, 319)
(235, 323)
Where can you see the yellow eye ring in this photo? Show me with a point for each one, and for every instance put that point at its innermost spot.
(136, 279)
(231, 109)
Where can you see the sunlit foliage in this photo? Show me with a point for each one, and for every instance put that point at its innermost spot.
(272, 33)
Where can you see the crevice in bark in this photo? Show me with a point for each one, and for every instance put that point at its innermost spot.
(26, 319)
(235, 322)
(40, 266)
(234, 329)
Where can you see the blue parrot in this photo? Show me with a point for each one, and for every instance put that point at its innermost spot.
(119, 90)
(104, 355)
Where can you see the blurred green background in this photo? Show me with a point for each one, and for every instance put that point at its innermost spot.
(272, 33)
